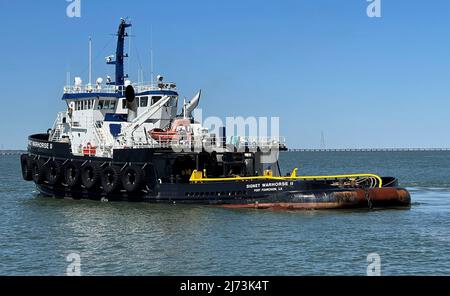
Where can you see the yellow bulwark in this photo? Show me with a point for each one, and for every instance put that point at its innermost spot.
(198, 177)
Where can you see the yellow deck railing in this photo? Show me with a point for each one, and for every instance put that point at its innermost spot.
(199, 176)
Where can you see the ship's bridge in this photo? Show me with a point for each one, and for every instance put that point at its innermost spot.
(78, 91)
(111, 102)
(98, 114)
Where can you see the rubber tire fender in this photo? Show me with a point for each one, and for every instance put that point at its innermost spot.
(71, 174)
(110, 178)
(132, 178)
(25, 162)
(53, 172)
(90, 175)
(38, 170)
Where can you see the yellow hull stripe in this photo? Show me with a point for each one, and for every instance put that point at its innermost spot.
(198, 176)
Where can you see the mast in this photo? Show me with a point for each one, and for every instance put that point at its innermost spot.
(90, 60)
(151, 54)
(121, 34)
(151, 65)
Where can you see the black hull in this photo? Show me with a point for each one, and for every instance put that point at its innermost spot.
(235, 196)
(156, 188)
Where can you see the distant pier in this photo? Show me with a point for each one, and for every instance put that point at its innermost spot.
(370, 150)
(11, 152)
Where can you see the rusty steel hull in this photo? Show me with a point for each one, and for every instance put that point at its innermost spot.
(347, 199)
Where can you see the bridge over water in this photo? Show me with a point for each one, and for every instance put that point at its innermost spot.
(11, 152)
(370, 150)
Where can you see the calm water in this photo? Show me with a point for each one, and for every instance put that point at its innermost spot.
(37, 233)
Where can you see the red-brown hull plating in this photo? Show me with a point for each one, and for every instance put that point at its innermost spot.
(353, 198)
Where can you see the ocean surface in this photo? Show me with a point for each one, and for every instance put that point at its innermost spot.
(38, 233)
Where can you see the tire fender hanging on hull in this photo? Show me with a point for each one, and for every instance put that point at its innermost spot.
(90, 175)
(71, 174)
(38, 170)
(110, 178)
(25, 162)
(53, 172)
(132, 178)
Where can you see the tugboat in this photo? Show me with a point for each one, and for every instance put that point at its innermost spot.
(127, 142)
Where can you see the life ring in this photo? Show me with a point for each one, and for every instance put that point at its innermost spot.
(90, 175)
(71, 174)
(89, 150)
(27, 173)
(132, 178)
(53, 172)
(110, 178)
(38, 171)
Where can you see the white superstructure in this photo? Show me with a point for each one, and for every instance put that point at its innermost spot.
(101, 117)
(120, 114)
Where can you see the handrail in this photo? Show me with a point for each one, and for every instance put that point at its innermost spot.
(139, 87)
(198, 176)
(56, 125)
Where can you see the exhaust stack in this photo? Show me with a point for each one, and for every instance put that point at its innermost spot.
(193, 103)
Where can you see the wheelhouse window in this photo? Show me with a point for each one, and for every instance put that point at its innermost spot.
(83, 105)
(124, 104)
(173, 102)
(156, 99)
(100, 104)
(143, 102)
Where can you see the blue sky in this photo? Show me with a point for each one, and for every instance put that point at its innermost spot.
(320, 65)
